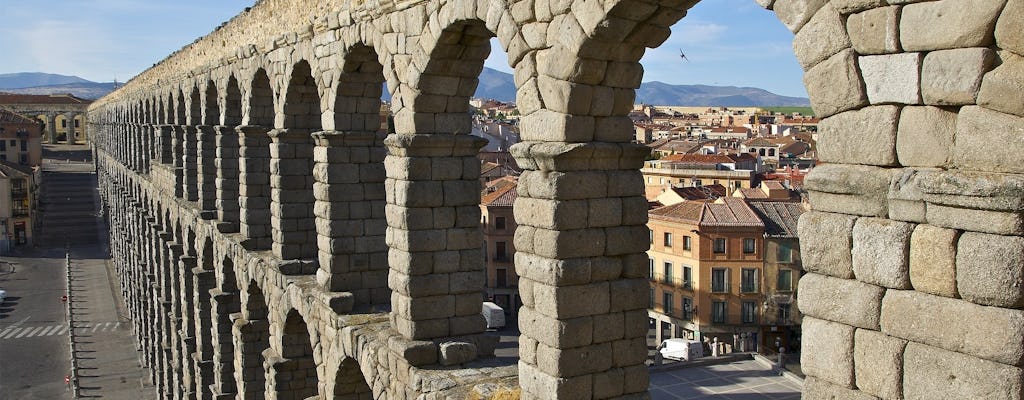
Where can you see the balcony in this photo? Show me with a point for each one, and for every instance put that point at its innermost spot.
(672, 281)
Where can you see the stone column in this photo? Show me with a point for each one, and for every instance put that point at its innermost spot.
(580, 256)
(291, 193)
(165, 144)
(254, 186)
(252, 337)
(227, 179)
(204, 281)
(71, 128)
(349, 208)
(189, 162)
(206, 169)
(224, 306)
(51, 128)
(178, 158)
(433, 214)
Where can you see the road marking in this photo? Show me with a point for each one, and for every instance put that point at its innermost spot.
(56, 330)
(9, 332)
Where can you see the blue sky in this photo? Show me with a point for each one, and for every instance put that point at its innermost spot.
(728, 42)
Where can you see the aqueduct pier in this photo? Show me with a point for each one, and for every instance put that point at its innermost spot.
(273, 243)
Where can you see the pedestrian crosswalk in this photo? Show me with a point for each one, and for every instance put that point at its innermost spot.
(25, 332)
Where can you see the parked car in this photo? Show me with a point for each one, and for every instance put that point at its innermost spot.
(494, 315)
(3, 295)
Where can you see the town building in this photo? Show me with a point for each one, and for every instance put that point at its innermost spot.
(706, 263)
(64, 115)
(734, 171)
(20, 159)
(20, 139)
(499, 227)
(780, 325)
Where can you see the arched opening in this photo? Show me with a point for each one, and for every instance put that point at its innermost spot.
(227, 309)
(251, 333)
(291, 184)
(227, 165)
(254, 164)
(360, 123)
(233, 103)
(295, 375)
(349, 382)
(211, 109)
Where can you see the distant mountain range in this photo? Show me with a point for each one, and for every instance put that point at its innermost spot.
(40, 83)
(493, 85)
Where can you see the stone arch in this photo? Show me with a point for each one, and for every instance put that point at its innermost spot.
(260, 109)
(350, 383)
(357, 105)
(195, 107)
(294, 373)
(181, 113)
(211, 108)
(252, 334)
(301, 108)
(232, 103)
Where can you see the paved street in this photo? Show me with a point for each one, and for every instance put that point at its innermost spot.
(740, 380)
(35, 340)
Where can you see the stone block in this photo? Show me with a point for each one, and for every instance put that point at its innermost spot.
(854, 6)
(849, 189)
(933, 373)
(892, 78)
(865, 136)
(995, 222)
(537, 383)
(1009, 36)
(953, 77)
(822, 37)
(925, 137)
(559, 333)
(956, 325)
(949, 24)
(1003, 88)
(455, 353)
(879, 363)
(819, 389)
(979, 190)
(795, 13)
(846, 301)
(827, 243)
(572, 301)
(827, 351)
(881, 250)
(906, 201)
(575, 361)
(978, 130)
(990, 269)
(874, 31)
(835, 85)
(933, 260)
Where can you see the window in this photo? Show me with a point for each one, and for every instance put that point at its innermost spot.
(668, 239)
(650, 234)
(719, 246)
(667, 297)
(3, 145)
(668, 272)
(485, 251)
(771, 152)
(696, 182)
(23, 159)
(64, 123)
(719, 280)
(748, 280)
(783, 314)
(686, 243)
(749, 245)
(737, 184)
(650, 179)
(650, 267)
(24, 145)
(78, 123)
(749, 312)
(784, 253)
(499, 223)
(652, 297)
(501, 278)
(718, 312)
(785, 283)
(687, 276)
(687, 308)
(500, 253)
(662, 181)
(14, 143)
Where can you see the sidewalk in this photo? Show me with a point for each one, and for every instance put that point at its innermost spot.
(108, 360)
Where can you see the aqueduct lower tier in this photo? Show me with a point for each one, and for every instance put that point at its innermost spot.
(271, 242)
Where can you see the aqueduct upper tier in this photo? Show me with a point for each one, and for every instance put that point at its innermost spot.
(273, 242)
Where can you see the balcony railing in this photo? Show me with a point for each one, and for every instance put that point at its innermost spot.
(674, 312)
(749, 288)
(720, 287)
(672, 281)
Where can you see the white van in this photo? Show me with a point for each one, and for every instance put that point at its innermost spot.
(494, 315)
(682, 349)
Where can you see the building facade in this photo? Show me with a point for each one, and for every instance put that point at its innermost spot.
(499, 228)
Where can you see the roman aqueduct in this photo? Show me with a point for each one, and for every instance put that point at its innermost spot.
(273, 243)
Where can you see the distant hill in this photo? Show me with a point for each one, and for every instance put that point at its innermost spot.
(35, 79)
(85, 90)
(501, 86)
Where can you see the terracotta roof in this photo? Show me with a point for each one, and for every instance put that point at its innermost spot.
(700, 193)
(12, 117)
(726, 212)
(780, 219)
(500, 192)
(487, 166)
(759, 142)
(11, 98)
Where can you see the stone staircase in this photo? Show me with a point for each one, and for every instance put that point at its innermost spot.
(68, 208)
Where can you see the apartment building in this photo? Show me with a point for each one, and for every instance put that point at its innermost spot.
(499, 227)
(706, 264)
(780, 326)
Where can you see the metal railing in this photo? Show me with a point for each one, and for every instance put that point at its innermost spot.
(671, 281)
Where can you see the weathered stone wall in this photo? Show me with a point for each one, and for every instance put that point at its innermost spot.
(371, 245)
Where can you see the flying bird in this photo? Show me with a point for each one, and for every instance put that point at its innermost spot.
(683, 56)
